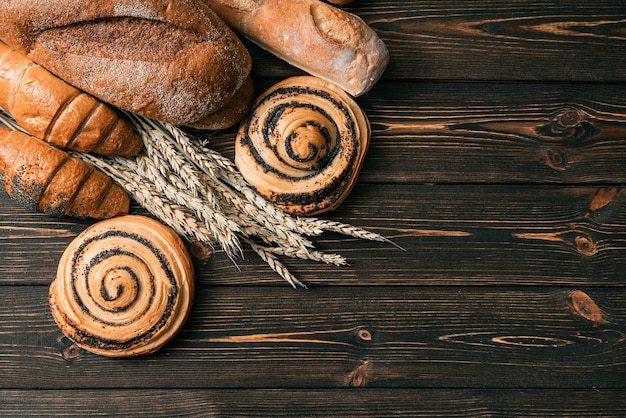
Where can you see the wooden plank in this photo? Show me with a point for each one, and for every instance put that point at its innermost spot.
(483, 40)
(450, 235)
(489, 133)
(479, 235)
(31, 240)
(433, 337)
(377, 403)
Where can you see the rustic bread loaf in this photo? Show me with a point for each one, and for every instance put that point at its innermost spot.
(318, 38)
(50, 109)
(232, 112)
(173, 61)
(41, 177)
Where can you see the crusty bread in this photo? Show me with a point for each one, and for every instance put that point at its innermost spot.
(318, 38)
(173, 61)
(232, 112)
(50, 109)
(44, 178)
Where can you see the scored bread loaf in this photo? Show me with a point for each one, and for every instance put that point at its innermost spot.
(44, 178)
(50, 109)
(173, 61)
(318, 38)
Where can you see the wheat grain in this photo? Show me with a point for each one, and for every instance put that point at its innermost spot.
(202, 196)
(276, 265)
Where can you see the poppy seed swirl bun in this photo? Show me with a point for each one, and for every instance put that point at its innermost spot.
(124, 287)
(303, 145)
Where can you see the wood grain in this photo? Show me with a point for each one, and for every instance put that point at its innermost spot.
(490, 133)
(378, 403)
(450, 234)
(342, 337)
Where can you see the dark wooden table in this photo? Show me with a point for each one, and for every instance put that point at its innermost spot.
(498, 163)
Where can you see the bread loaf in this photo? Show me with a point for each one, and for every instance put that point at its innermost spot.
(318, 38)
(50, 109)
(173, 61)
(44, 178)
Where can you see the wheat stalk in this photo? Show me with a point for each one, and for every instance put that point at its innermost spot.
(202, 196)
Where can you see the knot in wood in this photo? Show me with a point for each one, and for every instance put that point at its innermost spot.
(570, 118)
(359, 376)
(603, 197)
(568, 124)
(200, 251)
(583, 306)
(71, 352)
(556, 159)
(364, 335)
(585, 246)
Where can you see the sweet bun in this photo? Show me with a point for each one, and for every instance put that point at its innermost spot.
(124, 287)
(303, 145)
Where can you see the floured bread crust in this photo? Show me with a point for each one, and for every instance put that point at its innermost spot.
(316, 37)
(50, 109)
(231, 113)
(173, 61)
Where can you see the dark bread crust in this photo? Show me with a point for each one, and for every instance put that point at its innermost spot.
(44, 178)
(173, 61)
(232, 113)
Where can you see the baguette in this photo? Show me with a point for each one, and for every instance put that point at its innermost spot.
(44, 178)
(177, 62)
(318, 38)
(52, 110)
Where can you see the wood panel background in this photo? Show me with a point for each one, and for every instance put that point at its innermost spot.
(497, 167)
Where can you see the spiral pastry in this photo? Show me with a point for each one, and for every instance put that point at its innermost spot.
(303, 145)
(124, 287)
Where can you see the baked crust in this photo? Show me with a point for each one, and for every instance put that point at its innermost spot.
(44, 178)
(173, 61)
(51, 109)
(316, 37)
(303, 145)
